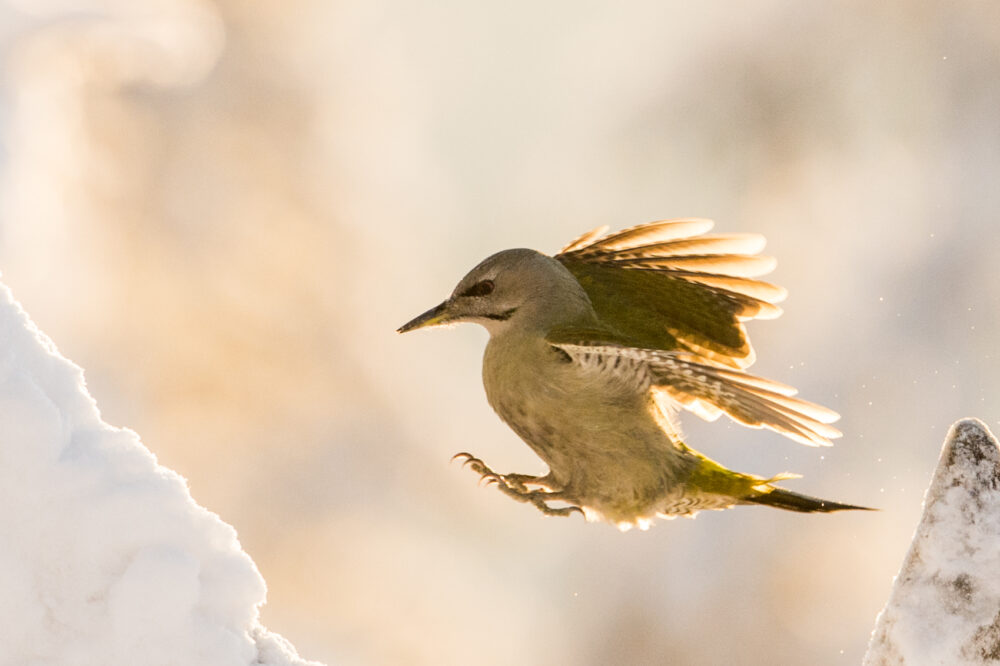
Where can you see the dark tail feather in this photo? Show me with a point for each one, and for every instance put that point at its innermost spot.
(780, 498)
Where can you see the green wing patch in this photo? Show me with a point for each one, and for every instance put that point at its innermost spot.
(664, 286)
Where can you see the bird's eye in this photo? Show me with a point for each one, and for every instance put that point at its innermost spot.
(481, 288)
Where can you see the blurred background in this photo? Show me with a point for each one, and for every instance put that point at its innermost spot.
(222, 211)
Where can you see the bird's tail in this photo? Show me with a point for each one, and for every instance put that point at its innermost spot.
(780, 498)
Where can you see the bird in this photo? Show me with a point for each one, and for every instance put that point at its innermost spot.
(593, 352)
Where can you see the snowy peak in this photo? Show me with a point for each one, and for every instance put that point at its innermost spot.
(944, 607)
(106, 558)
(970, 458)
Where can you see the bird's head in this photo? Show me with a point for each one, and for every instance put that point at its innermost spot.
(514, 288)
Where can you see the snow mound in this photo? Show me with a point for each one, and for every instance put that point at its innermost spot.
(105, 559)
(944, 607)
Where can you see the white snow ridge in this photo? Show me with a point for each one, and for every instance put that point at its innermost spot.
(944, 607)
(104, 557)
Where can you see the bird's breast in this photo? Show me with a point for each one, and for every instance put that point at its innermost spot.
(559, 406)
(527, 385)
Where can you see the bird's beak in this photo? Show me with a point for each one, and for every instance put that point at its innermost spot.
(434, 317)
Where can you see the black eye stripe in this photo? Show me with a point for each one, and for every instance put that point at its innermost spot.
(481, 288)
(501, 316)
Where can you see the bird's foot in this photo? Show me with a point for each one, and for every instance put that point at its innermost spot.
(516, 487)
(522, 481)
(538, 499)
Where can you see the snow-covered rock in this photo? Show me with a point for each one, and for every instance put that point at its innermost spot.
(105, 558)
(944, 607)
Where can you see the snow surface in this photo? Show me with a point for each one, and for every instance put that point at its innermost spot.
(944, 607)
(105, 558)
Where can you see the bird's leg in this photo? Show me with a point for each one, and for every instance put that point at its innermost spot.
(515, 486)
(538, 499)
(521, 481)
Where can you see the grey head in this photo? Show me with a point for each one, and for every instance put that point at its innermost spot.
(515, 289)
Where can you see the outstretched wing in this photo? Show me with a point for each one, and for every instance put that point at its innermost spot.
(707, 390)
(667, 285)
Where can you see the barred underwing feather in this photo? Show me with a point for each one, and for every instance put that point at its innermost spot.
(745, 398)
(705, 389)
(756, 382)
(750, 413)
(771, 391)
(747, 408)
(815, 412)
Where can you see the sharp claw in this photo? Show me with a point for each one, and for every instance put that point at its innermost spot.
(463, 454)
(490, 477)
(515, 486)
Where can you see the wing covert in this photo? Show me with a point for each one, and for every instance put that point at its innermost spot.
(668, 285)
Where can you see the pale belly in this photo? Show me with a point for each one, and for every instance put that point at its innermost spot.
(601, 438)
